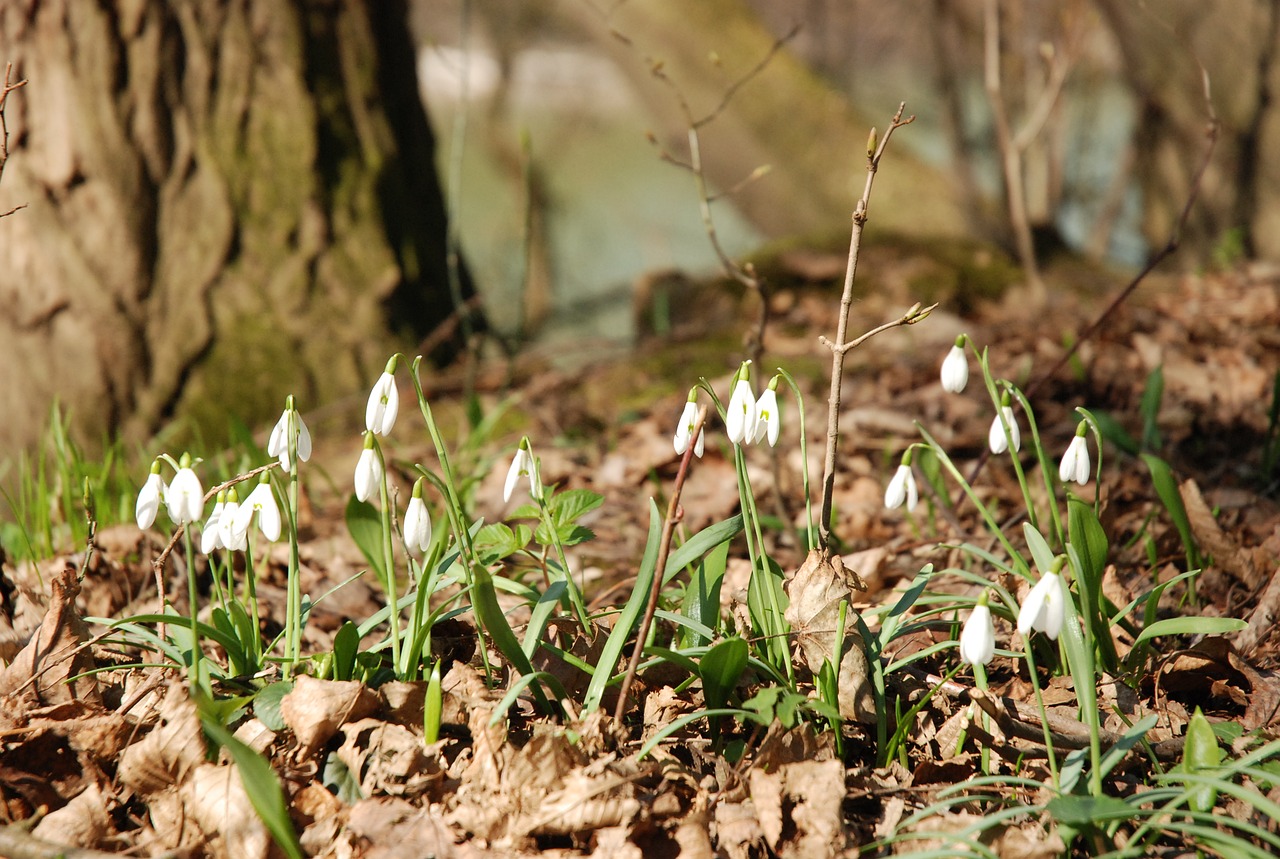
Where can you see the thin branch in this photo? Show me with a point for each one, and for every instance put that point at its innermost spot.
(9, 86)
(674, 514)
(840, 346)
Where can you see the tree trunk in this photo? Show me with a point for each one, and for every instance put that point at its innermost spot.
(228, 202)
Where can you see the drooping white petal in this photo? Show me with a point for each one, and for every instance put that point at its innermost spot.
(902, 487)
(150, 497)
(185, 498)
(519, 468)
(955, 370)
(978, 638)
(1075, 462)
(767, 420)
(684, 429)
(740, 414)
(228, 536)
(262, 503)
(1043, 609)
(417, 527)
(384, 403)
(997, 439)
(278, 443)
(209, 537)
(368, 474)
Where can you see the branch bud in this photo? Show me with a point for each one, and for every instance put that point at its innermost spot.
(871, 144)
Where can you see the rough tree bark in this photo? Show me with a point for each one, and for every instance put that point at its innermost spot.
(228, 202)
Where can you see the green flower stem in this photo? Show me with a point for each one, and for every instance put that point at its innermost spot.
(193, 599)
(251, 593)
(1079, 647)
(804, 458)
(293, 610)
(388, 560)
(1048, 469)
(574, 592)
(775, 629)
(1044, 714)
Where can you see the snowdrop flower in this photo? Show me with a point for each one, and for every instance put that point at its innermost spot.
(955, 367)
(768, 421)
(740, 415)
(417, 523)
(261, 503)
(150, 497)
(997, 439)
(368, 470)
(278, 443)
(384, 402)
(1044, 608)
(185, 496)
(228, 537)
(684, 429)
(521, 466)
(902, 486)
(1075, 462)
(210, 537)
(978, 638)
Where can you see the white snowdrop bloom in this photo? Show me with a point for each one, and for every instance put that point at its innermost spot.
(261, 503)
(978, 638)
(185, 496)
(228, 537)
(1044, 607)
(740, 414)
(902, 487)
(210, 538)
(150, 497)
(521, 466)
(955, 368)
(1075, 462)
(417, 524)
(278, 443)
(684, 429)
(384, 402)
(368, 470)
(997, 439)
(767, 420)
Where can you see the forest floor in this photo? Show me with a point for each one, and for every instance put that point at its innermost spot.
(116, 760)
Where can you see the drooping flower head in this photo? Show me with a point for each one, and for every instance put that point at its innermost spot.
(522, 465)
(384, 401)
(684, 429)
(417, 523)
(185, 496)
(768, 421)
(740, 415)
(978, 638)
(1075, 462)
(210, 536)
(261, 504)
(1045, 606)
(228, 537)
(368, 469)
(150, 497)
(997, 438)
(955, 367)
(290, 426)
(902, 486)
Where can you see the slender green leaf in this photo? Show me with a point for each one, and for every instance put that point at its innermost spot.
(1166, 486)
(262, 786)
(364, 522)
(1190, 626)
(1201, 753)
(721, 669)
(1082, 811)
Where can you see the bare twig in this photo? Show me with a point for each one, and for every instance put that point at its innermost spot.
(9, 86)
(674, 514)
(839, 347)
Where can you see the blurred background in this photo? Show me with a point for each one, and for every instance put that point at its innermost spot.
(226, 202)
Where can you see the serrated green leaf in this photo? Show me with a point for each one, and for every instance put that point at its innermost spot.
(496, 541)
(569, 505)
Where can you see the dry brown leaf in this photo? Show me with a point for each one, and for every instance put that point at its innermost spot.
(737, 830)
(1226, 552)
(815, 591)
(388, 759)
(216, 800)
(82, 822)
(809, 796)
(585, 802)
(39, 673)
(168, 754)
(316, 709)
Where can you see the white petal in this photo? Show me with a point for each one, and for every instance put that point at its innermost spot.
(304, 440)
(209, 536)
(997, 439)
(368, 474)
(977, 639)
(955, 370)
(519, 467)
(185, 498)
(896, 492)
(1043, 610)
(740, 415)
(263, 502)
(1075, 462)
(767, 418)
(417, 527)
(149, 499)
(684, 429)
(384, 403)
(228, 536)
(278, 443)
